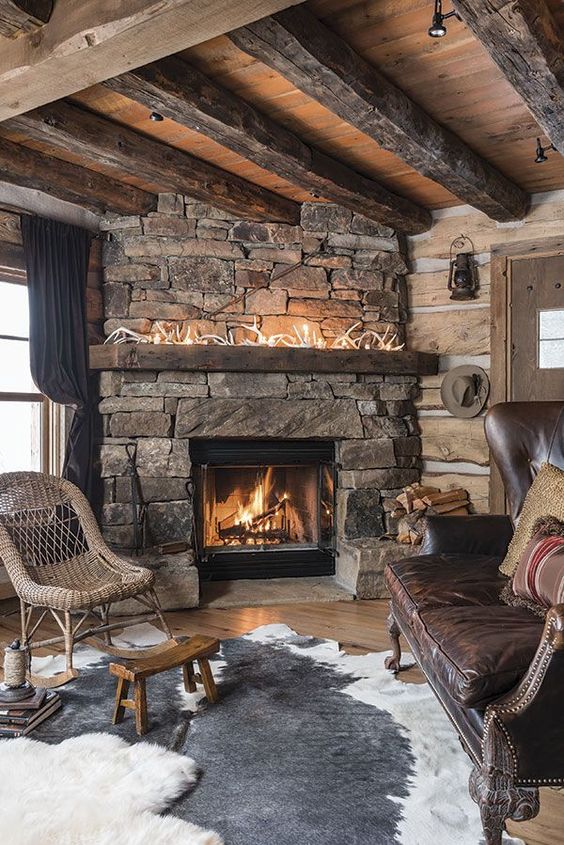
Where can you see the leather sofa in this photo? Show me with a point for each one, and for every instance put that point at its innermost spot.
(498, 671)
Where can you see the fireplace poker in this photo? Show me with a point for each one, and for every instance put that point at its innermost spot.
(137, 504)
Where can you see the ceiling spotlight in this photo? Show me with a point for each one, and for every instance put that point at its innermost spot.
(541, 152)
(156, 116)
(438, 28)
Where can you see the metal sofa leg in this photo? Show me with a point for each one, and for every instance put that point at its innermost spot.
(394, 632)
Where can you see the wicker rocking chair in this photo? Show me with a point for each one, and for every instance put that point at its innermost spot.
(61, 567)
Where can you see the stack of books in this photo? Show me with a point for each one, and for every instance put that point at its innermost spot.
(23, 717)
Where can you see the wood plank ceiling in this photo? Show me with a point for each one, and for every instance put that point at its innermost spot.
(452, 79)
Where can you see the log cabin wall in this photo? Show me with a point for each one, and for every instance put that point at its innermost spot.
(454, 451)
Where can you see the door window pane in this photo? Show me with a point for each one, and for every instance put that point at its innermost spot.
(15, 375)
(551, 339)
(14, 314)
(20, 436)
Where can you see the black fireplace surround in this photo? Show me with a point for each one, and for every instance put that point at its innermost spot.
(263, 508)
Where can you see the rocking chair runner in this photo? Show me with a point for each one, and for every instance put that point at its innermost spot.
(60, 565)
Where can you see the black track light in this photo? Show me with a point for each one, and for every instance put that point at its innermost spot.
(541, 152)
(438, 28)
(156, 117)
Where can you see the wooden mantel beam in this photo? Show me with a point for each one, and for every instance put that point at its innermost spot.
(123, 151)
(318, 62)
(186, 96)
(98, 193)
(525, 41)
(87, 41)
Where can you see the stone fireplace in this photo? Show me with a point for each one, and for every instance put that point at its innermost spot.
(291, 457)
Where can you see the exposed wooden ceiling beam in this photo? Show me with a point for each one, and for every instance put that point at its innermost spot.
(124, 151)
(87, 42)
(326, 68)
(20, 16)
(526, 42)
(30, 169)
(180, 92)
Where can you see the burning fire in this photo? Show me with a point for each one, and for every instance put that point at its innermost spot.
(306, 337)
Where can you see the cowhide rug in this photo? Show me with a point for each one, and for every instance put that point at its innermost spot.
(307, 746)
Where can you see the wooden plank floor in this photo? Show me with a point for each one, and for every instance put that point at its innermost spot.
(359, 626)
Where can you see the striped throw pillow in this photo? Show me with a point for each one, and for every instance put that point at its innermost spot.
(538, 581)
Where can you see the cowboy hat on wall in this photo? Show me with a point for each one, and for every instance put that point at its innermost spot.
(464, 390)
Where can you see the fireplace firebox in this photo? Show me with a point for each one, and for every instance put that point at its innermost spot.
(263, 508)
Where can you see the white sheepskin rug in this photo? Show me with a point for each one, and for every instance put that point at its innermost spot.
(95, 789)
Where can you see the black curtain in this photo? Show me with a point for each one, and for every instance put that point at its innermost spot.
(56, 256)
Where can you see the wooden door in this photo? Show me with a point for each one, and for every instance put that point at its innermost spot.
(537, 328)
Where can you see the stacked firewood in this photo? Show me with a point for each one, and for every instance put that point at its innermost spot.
(418, 501)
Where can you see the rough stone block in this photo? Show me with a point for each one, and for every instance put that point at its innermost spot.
(352, 241)
(390, 391)
(117, 514)
(325, 418)
(162, 457)
(361, 564)
(360, 514)
(138, 272)
(364, 226)
(109, 383)
(367, 454)
(265, 302)
(302, 278)
(116, 299)
(251, 278)
(142, 326)
(357, 279)
(112, 460)
(202, 274)
(176, 227)
(169, 521)
(184, 376)
(248, 385)
(114, 404)
(274, 233)
(325, 217)
(140, 424)
(309, 390)
(177, 582)
(322, 308)
(275, 255)
(357, 391)
(170, 204)
(377, 426)
(111, 222)
(163, 388)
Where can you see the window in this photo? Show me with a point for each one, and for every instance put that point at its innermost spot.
(551, 339)
(24, 412)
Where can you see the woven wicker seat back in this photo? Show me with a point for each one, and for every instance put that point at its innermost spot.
(60, 566)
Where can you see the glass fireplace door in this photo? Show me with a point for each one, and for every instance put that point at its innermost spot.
(268, 517)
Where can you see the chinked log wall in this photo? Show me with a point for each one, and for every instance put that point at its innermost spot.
(454, 451)
(12, 265)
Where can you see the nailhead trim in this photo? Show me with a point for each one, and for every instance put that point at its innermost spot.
(525, 694)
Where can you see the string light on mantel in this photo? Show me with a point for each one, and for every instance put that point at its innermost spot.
(304, 337)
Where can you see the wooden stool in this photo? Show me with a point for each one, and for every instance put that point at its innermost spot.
(136, 672)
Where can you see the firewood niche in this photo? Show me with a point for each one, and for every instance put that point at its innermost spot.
(419, 501)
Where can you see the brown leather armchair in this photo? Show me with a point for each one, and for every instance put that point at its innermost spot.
(497, 670)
